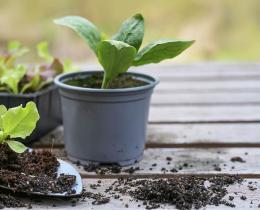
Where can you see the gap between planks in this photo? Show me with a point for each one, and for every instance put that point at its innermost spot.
(184, 135)
(171, 145)
(166, 176)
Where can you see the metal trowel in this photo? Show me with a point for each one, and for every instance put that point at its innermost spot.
(64, 168)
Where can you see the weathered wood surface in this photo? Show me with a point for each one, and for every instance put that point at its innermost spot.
(205, 98)
(201, 114)
(182, 114)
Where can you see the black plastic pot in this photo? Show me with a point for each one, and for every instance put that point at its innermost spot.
(48, 104)
(105, 125)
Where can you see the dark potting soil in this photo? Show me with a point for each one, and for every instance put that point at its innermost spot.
(31, 171)
(237, 159)
(182, 192)
(109, 169)
(95, 81)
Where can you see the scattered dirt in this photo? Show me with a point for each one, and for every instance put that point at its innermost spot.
(9, 201)
(98, 198)
(109, 169)
(95, 81)
(182, 192)
(237, 159)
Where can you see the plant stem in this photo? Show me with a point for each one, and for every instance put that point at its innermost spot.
(105, 82)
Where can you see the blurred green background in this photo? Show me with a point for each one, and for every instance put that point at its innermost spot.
(226, 30)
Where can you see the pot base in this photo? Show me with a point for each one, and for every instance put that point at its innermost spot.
(120, 163)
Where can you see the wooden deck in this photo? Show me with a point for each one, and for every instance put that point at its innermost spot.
(202, 114)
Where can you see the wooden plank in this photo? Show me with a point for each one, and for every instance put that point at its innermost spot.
(204, 134)
(195, 70)
(236, 191)
(200, 162)
(192, 114)
(204, 114)
(185, 135)
(205, 98)
(209, 86)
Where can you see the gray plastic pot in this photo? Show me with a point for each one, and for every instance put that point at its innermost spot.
(105, 126)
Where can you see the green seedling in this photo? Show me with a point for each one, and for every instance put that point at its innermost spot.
(17, 122)
(121, 51)
(20, 78)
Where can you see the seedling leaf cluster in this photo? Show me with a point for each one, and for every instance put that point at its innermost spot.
(121, 51)
(20, 78)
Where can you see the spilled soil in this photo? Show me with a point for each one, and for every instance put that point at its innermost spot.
(30, 172)
(182, 192)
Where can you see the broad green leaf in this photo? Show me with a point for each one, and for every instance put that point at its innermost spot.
(160, 50)
(12, 77)
(3, 110)
(16, 146)
(19, 122)
(84, 28)
(115, 57)
(131, 31)
(43, 51)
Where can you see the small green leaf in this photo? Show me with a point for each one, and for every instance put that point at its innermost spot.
(52, 70)
(13, 46)
(2, 137)
(15, 50)
(19, 122)
(68, 66)
(84, 28)
(56, 66)
(33, 84)
(131, 31)
(160, 50)
(12, 77)
(115, 57)
(3, 110)
(16, 146)
(45, 83)
(43, 51)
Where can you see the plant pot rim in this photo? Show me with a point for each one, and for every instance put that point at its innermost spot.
(50, 87)
(59, 81)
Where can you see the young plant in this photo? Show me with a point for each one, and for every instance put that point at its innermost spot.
(24, 78)
(121, 51)
(17, 122)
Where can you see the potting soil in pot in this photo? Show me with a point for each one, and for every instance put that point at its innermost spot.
(95, 81)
